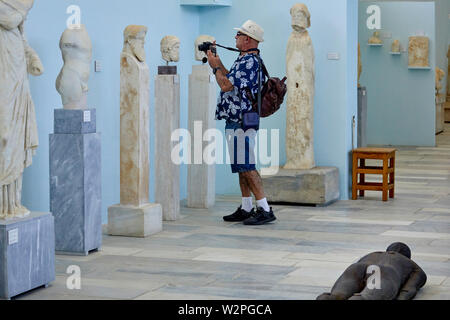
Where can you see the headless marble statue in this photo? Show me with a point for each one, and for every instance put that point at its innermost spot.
(72, 81)
(18, 129)
(200, 55)
(300, 92)
(400, 277)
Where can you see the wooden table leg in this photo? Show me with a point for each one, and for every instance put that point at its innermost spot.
(385, 178)
(362, 176)
(392, 177)
(354, 176)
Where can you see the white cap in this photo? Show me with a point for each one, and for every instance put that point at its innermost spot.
(253, 30)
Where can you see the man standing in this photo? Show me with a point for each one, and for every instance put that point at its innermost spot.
(233, 103)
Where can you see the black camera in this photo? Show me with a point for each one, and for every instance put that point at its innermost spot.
(205, 46)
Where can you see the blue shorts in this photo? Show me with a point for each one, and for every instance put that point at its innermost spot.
(241, 147)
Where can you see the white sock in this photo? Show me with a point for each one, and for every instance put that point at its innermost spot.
(247, 204)
(263, 204)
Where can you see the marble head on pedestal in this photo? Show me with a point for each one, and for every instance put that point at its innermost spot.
(200, 55)
(301, 18)
(134, 41)
(170, 48)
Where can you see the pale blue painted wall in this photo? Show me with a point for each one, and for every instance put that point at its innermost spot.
(105, 21)
(335, 101)
(401, 102)
(333, 29)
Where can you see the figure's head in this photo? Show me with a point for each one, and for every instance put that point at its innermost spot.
(134, 41)
(301, 18)
(199, 55)
(400, 248)
(170, 48)
(249, 35)
(376, 34)
(76, 44)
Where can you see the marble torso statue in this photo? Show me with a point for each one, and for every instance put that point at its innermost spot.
(72, 81)
(300, 93)
(18, 129)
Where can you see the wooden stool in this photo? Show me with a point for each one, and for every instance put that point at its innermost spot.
(387, 171)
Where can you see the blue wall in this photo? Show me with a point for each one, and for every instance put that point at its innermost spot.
(401, 102)
(333, 29)
(105, 21)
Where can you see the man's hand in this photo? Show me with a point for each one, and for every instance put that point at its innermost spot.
(213, 59)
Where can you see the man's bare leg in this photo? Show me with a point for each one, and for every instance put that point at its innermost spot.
(254, 182)
(245, 188)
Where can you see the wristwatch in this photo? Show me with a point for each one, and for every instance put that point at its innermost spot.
(215, 70)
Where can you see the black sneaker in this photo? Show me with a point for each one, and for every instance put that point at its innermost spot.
(239, 215)
(261, 217)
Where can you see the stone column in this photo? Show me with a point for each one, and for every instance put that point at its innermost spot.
(167, 119)
(134, 216)
(202, 105)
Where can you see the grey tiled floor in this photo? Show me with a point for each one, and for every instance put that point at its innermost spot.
(298, 257)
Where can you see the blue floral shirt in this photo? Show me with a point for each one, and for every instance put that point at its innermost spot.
(243, 74)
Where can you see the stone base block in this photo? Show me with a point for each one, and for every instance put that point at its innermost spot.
(27, 254)
(132, 221)
(75, 121)
(75, 192)
(317, 186)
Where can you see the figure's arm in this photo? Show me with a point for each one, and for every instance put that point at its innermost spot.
(222, 80)
(416, 280)
(34, 64)
(9, 17)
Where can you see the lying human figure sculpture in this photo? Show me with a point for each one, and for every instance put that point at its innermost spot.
(380, 276)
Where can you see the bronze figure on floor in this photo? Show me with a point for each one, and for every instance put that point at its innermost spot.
(380, 276)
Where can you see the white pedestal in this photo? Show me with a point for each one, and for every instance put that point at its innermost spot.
(133, 221)
(167, 120)
(202, 106)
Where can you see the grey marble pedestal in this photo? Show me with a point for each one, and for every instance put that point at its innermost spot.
(75, 182)
(27, 254)
(362, 117)
(317, 186)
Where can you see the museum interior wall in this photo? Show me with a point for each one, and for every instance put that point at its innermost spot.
(401, 101)
(333, 31)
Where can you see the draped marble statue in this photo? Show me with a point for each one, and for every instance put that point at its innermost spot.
(300, 93)
(72, 81)
(18, 129)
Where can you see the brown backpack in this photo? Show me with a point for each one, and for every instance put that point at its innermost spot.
(272, 94)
